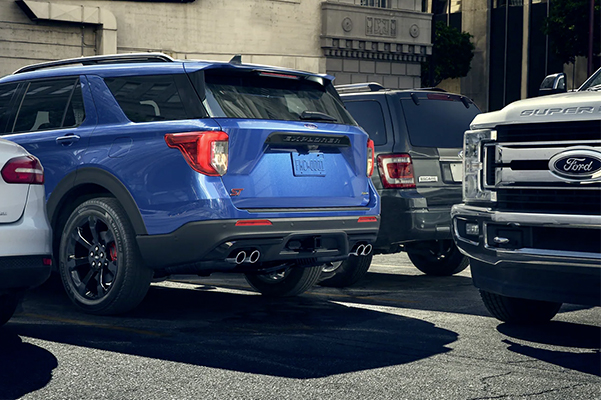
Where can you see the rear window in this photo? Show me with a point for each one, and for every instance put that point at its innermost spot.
(368, 114)
(156, 97)
(436, 122)
(257, 95)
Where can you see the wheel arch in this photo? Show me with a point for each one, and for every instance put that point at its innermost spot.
(82, 185)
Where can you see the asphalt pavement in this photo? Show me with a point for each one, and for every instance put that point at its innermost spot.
(398, 334)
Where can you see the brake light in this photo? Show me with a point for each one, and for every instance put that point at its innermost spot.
(396, 171)
(206, 152)
(25, 169)
(370, 157)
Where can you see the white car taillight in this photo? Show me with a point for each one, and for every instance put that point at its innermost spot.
(25, 169)
(396, 171)
(206, 152)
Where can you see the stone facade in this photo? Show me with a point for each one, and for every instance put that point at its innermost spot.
(300, 34)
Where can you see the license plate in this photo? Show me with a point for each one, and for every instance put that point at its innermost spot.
(457, 172)
(312, 164)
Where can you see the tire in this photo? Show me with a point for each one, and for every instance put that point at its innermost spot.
(8, 305)
(99, 261)
(289, 282)
(521, 311)
(351, 271)
(438, 258)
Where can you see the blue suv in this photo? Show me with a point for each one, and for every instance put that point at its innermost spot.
(156, 167)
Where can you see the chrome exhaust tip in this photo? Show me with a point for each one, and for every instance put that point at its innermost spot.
(240, 257)
(366, 250)
(358, 250)
(254, 256)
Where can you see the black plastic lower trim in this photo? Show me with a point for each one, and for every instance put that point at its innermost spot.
(213, 244)
(560, 284)
(23, 272)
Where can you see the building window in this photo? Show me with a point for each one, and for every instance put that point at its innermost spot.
(376, 3)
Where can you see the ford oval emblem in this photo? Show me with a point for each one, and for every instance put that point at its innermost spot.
(311, 126)
(581, 164)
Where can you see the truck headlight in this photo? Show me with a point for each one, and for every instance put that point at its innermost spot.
(473, 165)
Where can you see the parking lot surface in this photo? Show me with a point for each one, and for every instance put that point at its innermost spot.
(398, 334)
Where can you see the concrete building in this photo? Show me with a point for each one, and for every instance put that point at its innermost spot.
(512, 54)
(355, 40)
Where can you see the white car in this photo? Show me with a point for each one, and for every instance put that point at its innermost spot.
(25, 235)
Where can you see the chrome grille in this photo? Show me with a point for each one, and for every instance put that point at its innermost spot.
(517, 168)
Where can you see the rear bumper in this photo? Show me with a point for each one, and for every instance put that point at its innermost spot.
(541, 261)
(410, 219)
(22, 272)
(213, 244)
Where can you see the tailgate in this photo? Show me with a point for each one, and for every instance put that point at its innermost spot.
(277, 164)
(438, 175)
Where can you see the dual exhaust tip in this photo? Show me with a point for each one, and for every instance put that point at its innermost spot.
(253, 256)
(241, 257)
(361, 250)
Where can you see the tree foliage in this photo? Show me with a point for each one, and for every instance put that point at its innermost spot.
(568, 28)
(452, 53)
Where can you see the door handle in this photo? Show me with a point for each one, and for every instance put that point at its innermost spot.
(67, 140)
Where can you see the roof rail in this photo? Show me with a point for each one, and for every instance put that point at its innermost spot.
(94, 60)
(360, 87)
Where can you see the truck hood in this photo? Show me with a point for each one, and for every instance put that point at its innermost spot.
(573, 106)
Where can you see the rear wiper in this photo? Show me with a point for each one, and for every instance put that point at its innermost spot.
(316, 116)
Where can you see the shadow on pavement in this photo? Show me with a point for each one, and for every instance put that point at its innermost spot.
(563, 334)
(300, 337)
(24, 367)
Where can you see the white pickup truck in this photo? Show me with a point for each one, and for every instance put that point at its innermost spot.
(530, 221)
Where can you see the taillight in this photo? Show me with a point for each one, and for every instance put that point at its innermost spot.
(206, 152)
(25, 169)
(370, 157)
(396, 171)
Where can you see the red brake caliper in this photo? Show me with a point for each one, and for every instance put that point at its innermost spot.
(113, 251)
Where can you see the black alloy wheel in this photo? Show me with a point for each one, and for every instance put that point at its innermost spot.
(99, 261)
(92, 257)
(437, 257)
(289, 281)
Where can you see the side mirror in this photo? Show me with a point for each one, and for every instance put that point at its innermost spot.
(554, 83)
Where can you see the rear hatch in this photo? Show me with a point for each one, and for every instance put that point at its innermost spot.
(13, 197)
(436, 123)
(291, 142)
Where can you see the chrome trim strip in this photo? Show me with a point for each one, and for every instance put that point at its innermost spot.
(506, 154)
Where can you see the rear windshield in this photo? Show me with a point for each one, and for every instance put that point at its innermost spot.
(257, 95)
(436, 122)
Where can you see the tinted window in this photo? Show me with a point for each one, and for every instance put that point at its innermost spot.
(7, 92)
(369, 115)
(51, 104)
(438, 123)
(153, 98)
(257, 95)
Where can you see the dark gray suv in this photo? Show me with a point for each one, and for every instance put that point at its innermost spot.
(418, 138)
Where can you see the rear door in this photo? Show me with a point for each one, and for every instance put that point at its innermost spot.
(435, 124)
(291, 142)
(53, 122)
